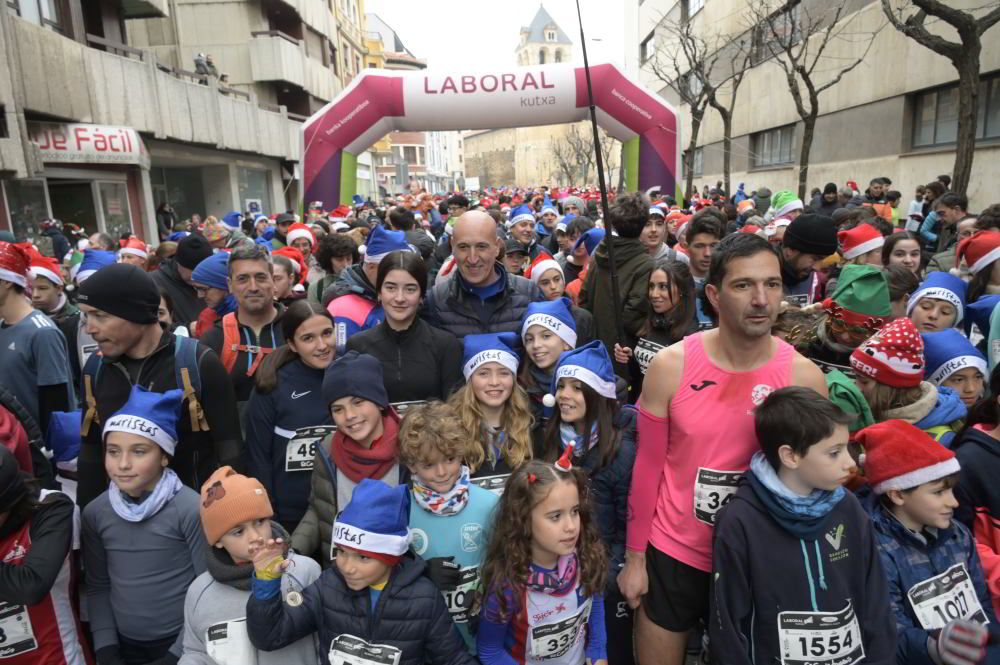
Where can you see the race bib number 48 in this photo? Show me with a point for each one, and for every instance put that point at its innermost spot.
(946, 597)
(350, 650)
(820, 638)
(301, 449)
(712, 490)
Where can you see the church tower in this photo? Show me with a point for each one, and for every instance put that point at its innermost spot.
(543, 42)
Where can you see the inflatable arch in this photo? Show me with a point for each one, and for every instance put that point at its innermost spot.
(379, 101)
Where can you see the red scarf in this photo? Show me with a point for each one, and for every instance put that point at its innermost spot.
(357, 462)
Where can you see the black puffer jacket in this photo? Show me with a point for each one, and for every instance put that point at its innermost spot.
(419, 363)
(452, 307)
(410, 615)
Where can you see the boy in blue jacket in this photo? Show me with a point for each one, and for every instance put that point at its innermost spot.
(798, 577)
(374, 605)
(938, 591)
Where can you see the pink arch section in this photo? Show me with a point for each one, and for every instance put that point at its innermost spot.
(378, 102)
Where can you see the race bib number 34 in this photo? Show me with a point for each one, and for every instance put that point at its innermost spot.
(946, 597)
(820, 638)
(712, 490)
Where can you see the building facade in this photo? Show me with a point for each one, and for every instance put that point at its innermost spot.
(895, 115)
(524, 155)
(98, 132)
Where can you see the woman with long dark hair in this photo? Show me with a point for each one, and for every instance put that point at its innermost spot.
(903, 249)
(419, 362)
(286, 415)
(671, 317)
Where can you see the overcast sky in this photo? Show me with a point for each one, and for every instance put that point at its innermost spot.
(482, 34)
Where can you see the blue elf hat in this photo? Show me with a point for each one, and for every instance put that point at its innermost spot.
(213, 271)
(980, 312)
(150, 415)
(941, 286)
(547, 206)
(376, 519)
(947, 352)
(591, 239)
(489, 348)
(556, 315)
(589, 364)
(522, 213)
(93, 260)
(381, 241)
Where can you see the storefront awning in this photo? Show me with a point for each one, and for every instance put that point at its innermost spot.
(78, 143)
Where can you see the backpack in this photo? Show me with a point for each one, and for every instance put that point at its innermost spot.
(186, 375)
(232, 345)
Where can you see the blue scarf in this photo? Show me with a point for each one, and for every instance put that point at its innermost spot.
(226, 306)
(568, 435)
(166, 489)
(802, 516)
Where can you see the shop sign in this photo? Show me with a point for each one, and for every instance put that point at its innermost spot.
(78, 143)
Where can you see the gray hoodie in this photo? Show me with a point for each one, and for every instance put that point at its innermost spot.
(215, 612)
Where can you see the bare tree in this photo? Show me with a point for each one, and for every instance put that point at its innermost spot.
(575, 155)
(685, 62)
(910, 18)
(739, 65)
(798, 41)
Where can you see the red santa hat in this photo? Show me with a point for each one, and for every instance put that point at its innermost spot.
(980, 250)
(862, 239)
(14, 262)
(299, 230)
(749, 228)
(893, 356)
(135, 247)
(43, 266)
(340, 213)
(542, 264)
(298, 262)
(900, 456)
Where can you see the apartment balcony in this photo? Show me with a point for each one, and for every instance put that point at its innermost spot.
(314, 13)
(277, 57)
(126, 86)
(145, 9)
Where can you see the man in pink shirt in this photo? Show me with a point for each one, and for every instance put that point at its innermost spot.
(696, 437)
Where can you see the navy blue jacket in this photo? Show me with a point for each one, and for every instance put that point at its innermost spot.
(761, 570)
(908, 560)
(271, 421)
(410, 615)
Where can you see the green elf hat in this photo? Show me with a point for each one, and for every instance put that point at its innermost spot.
(861, 298)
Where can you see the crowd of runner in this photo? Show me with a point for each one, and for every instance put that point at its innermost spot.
(498, 427)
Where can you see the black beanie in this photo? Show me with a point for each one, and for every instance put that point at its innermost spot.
(192, 250)
(830, 188)
(355, 375)
(122, 290)
(811, 234)
(12, 487)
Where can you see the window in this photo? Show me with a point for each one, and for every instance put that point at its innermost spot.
(550, 35)
(47, 13)
(541, 56)
(773, 147)
(694, 6)
(647, 47)
(27, 205)
(410, 154)
(935, 114)
(694, 84)
(698, 162)
(114, 203)
(357, 64)
(333, 59)
(775, 34)
(558, 57)
(4, 131)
